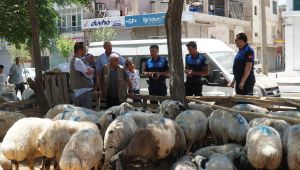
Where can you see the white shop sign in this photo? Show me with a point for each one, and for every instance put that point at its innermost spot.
(103, 22)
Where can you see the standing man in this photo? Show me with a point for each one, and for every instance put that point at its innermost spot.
(114, 82)
(196, 67)
(81, 77)
(244, 78)
(104, 58)
(15, 76)
(157, 69)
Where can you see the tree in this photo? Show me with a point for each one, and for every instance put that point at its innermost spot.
(104, 34)
(173, 30)
(32, 22)
(22, 52)
(65, 46)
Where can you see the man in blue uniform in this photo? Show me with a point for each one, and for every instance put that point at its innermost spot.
(196, 67)
(157, 69)
(244, 78)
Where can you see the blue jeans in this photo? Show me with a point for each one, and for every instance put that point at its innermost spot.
(137, 100)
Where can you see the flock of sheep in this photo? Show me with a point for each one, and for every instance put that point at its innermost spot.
(74, 138)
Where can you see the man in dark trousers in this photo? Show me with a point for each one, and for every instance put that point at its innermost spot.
(196, 67)
(157, 69)
(244, 78)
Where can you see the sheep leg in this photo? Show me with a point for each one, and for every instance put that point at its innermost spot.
(188, 146)
(16, 165)
(225, 139)
(30, 164)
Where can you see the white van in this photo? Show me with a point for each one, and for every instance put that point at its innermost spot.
(219, 55)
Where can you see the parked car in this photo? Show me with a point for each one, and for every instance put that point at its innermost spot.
(28, 73)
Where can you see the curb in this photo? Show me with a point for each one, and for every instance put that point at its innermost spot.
(288, 84)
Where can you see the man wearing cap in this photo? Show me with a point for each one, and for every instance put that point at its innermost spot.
(114, 82)
(196, 67)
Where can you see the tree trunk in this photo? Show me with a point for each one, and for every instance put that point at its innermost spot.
(173, 30)
(37, 86)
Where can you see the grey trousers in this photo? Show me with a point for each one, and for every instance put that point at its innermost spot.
(84, 100)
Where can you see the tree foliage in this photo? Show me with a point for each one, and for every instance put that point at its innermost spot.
(15, 23)
(22, 52)
(104, 34)
(65, 46)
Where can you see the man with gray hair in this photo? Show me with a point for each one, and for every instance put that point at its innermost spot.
(114, 82)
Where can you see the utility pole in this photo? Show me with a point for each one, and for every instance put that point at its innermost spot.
(263, 39)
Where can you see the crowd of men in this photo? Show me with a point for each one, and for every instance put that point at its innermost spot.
(117, 79)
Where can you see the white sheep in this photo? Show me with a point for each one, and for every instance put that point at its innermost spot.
(53, 140)
(264, 147)
(117, 136)
(228, 127)
(194, 125)
(293, 147)
(20, 142)
(27, 94)
(154, 142)
(250, 108)
(142, 119)
(83, 151)
(207, 110)
(171, 109)
(65, 108)
(4, 162)
(77, 115)
(7, 119)
(184, 163)
(280, 125)
(111, 114)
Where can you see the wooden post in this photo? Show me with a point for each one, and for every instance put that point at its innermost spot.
(173, 30)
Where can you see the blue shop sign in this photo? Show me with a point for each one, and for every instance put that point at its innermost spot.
(155, 19)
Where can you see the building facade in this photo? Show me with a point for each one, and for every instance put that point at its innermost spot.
(220, 19)
(292, 35)
(275, 50)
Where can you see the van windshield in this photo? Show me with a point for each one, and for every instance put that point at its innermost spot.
(225, 59)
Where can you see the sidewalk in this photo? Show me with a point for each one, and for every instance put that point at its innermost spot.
(286, 78)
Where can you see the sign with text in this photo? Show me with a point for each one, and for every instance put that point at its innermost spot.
(102, 22)
(155, 19)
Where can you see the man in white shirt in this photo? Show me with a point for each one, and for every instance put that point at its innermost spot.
(15, 76)
(81, 77)
(2, 77)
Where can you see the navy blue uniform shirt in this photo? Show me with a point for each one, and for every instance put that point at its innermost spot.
(246, 54)
(159, 65)
(195, 64)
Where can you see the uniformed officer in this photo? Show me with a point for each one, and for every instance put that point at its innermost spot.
(157, 69)
(196, 67)
(244, 78)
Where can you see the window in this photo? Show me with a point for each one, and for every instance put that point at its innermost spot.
(99, 6)
(73, 20)
(70, 20)
(274, 7)
(256, 34)
(255, 10)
